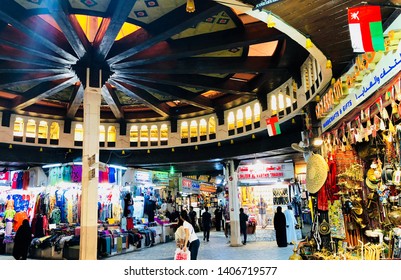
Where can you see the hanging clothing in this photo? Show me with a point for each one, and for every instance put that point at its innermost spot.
(279, 223)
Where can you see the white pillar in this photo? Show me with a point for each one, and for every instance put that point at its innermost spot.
(235, 237)
(90, 172)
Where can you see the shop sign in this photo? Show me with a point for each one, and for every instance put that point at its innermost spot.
(186, 185)
(264, 3)
(189, 186)
(160, 178)
(143, 177)
(207, 188)
(267, 172)
(372, 70)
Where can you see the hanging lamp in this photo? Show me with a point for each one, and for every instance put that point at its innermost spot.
(190, 6)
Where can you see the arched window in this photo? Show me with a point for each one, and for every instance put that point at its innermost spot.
(240, 121)
(78, 134)
(43, 130)
(111, 136)
(134, 136)
(163, 134)
(193, 131)
(248, 117)
(102, 135)
(212, 128)
(256, 112)
(18, 131)
(202, 129)
(54, 133)
(30, 132)
(154, 135)
(231, 121)
(144, 135)
(184, 132)
(273, 104)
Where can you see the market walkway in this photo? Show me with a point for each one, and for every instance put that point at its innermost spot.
(217, 248)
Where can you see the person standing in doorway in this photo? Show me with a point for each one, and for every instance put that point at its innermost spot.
(243, 224)
(191, 238)
(206, 224)
(280, 227)
(262, 212)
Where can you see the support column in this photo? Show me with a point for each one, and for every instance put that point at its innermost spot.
(235, 238)
(90, 172)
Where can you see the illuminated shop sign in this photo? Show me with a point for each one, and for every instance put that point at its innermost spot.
(160, 178)
(267, 172)
(190, 186)
(143, 177)
(370, 72)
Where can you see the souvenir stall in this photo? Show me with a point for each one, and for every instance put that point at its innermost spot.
(355, 177)
(263, 187)
(18, 192)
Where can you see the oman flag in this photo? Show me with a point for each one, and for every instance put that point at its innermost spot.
(273, 126)
(365, 26)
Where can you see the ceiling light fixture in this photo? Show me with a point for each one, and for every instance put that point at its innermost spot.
(190, 6)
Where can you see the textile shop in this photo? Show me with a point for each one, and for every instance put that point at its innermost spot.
(129, 217)
(354, 178)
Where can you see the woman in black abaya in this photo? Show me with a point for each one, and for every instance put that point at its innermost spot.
(22, 241)
(280, 227)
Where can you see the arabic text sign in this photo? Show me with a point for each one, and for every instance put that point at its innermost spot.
(265, 171)
(388, 67)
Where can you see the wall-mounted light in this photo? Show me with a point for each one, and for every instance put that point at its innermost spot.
(317, 142)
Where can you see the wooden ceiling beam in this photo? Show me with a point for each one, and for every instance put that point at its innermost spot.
(76, 100)
(69, 26)
(111, 26)
(111, 98)
(42, 91)
(254, 64)
(38, 30)
(32, 51)
(159, 107)
(162, 29)
(176, 93)
(11, 80)
(206, 83)
(205, 43)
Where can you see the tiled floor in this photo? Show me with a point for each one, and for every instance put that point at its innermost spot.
(218, 248)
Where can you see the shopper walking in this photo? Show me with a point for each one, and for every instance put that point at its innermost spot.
(206, 224)
(22, 241)
(291, 222)
(191, 238)
(193, 217)
(279, 222)
(243, 224)
(218, 216)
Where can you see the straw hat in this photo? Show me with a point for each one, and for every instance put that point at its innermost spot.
(316, 172)
(371, 181)
(301, 147)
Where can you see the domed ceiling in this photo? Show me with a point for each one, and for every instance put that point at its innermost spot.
(157, 61)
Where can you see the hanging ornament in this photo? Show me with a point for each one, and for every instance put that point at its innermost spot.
(328, 64)
(308, 43)
(190, 6)
(270, 21)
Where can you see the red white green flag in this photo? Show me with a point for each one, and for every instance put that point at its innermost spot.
(273, 126)
(366, 30)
